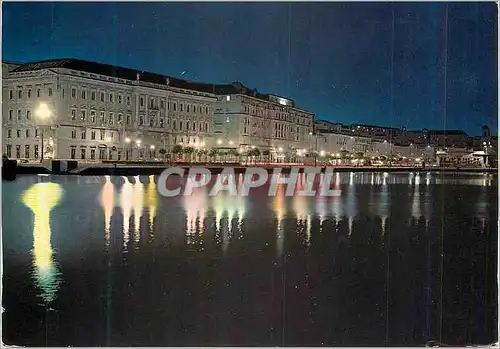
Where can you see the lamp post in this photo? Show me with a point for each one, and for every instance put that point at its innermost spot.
(43, 113)
(127, 141)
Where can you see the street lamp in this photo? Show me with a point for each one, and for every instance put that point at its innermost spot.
(219, 141)
(152, 147)
(43, 113)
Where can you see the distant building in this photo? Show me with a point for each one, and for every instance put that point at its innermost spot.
(244, 118)
(375, 132)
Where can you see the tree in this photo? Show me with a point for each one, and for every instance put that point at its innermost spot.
(344, 154)
(360, 155)
(162, 152)
(177, 149)
(266, 153)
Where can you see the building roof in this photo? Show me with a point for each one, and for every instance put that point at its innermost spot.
(376, 126)
(115, 71)
(447, 132)
(132, 74)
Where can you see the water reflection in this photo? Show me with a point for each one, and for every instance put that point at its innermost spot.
(195, 207)
(108, 204)
(41, 198)
(152, 202)
(126, 202)
(227, 208)
(279, 209)
(138, 206)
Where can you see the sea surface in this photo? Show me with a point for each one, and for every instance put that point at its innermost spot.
(398, 259)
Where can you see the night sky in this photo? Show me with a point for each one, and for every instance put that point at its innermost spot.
(334, 59)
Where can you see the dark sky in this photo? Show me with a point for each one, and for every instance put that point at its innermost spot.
(334, 59)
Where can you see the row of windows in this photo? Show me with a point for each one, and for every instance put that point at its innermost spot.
(114, 135)
(113, 97)
(102, 96)
(20, 155)
(187, 126)
(19, 133)
(19, 115)
(30, 93)
(106, 154)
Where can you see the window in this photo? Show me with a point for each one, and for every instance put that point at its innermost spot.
(151, 121)
(102, 154)
(194, 125)
(28, 114)
(102, 96)
(188, 108)
(73, 134)
(84, 135)
(182, 106)
(111, 118)
(84, 94)
(73, 92)
(50, 91)
(120, 99)
(36, 152)
(174, 124)
(27, 151)
(20, 94)
(228, 98)
(82, 151)
(206, 110)
(11, 94)
(175, 106)
(142, 101)
(128, 100)
(9, 150)
(38, 92)
(162, 122)
(73, 153)
(110, 98)
(18, 151)
(92, 116)
(92, 135)
(73, 114)
(162, 104)
(128, 119)
(102, 135)
(9, 133)
(141, 120)
(92, 95)
(19, 115)
(120, 118)
(206, 127)
(36, 132)
(92, 154)
(151, 103)
(11, 114)
(180, 125)
(101, 117)
(84, 114)
(187, 125)
(29, 93)
(27, 133)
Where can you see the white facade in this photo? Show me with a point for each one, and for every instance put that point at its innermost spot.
(97, 117)
(274, 124)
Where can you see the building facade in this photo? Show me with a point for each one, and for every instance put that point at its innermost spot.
(246, 119)
(99, 112)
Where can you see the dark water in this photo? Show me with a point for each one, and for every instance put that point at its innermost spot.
(90, 261)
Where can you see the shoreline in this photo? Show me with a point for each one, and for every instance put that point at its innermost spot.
(134, 170)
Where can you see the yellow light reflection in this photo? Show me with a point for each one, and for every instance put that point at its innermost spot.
(279, 210)
(195, 206)
(138, 200)
(41, 198)
(126, 198)
(337, 206)
(152, 202)
(301, 209)
(230, 207)
(107, 203)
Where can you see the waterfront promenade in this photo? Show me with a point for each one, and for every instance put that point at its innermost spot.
(128, 169)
